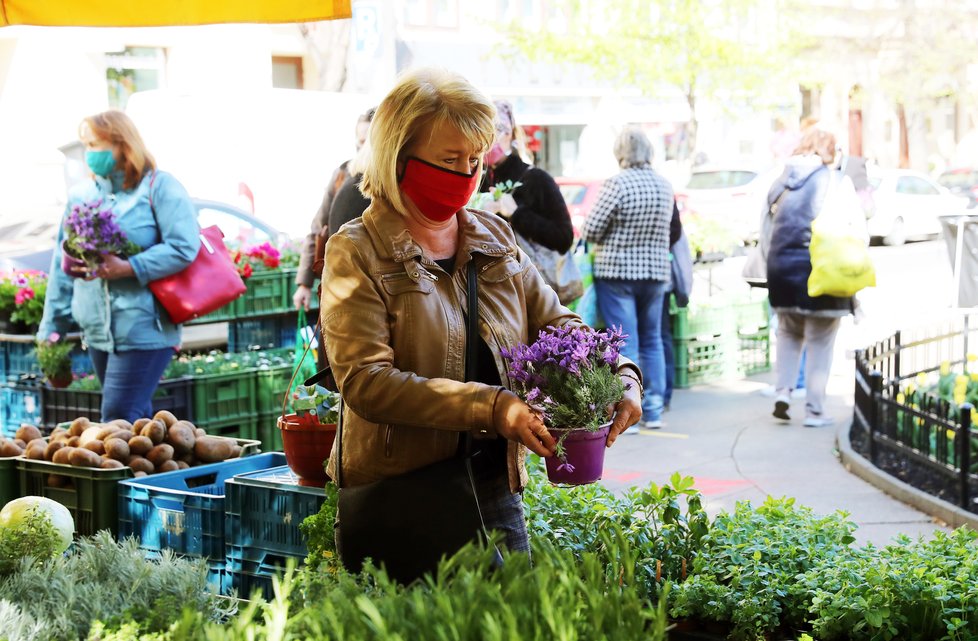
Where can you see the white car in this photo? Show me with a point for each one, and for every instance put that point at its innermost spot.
(732, 195)
(906, 205)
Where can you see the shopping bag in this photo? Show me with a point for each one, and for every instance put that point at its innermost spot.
(559, 270)
(841, 264)
(587, 305)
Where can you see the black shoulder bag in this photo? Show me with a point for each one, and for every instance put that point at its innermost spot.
(407, 523)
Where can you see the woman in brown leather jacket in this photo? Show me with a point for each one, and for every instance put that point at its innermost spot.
(394, 299)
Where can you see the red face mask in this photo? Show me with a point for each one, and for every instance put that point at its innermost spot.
(438, 192)
(494, 155)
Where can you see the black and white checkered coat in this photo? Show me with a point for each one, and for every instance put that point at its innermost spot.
(629, 226)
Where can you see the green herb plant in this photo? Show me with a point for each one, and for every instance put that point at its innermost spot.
(34, 538)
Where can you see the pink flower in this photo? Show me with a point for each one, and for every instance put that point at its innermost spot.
(23, 295)
(54, 337)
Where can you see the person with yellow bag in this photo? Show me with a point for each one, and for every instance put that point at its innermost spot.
(817, 260)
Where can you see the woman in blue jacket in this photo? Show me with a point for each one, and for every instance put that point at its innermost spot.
(129, 335)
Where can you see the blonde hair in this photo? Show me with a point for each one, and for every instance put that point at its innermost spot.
(420, 97)
(818, 142)
(118, 129)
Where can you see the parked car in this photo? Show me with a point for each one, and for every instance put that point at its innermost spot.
(29, 244)
(580, 194)
(906, 205)
(961, 182)
(732, 195)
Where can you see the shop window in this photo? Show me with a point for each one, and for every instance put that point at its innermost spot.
(134, 69)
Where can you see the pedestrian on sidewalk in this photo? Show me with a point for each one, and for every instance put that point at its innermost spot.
(629, 228)
(805, 324)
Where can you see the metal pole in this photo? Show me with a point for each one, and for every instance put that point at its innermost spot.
(897, 348)
(875, 401)
(964, 454)
(958, 259)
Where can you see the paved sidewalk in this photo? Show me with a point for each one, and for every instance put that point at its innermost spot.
(724, 435)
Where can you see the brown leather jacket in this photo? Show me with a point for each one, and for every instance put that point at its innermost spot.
(395, 336)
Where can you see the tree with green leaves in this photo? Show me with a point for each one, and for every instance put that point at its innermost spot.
(707, 49)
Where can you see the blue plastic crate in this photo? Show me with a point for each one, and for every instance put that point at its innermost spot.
(264, 510)
(17, 360)
(273, 332)
(19, 404)
(246, 584)
(184, 510)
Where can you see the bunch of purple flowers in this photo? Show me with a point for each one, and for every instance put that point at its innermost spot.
(91, 232)
(569, 375)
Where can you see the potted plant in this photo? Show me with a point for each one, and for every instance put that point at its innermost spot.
(21, 301)
(569, 375)
(308, 435)
(92, 232)
(54, 357)
(262, 257)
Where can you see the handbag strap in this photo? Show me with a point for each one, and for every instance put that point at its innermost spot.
(471, 371)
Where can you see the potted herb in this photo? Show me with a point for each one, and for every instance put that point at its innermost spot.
(569, 375)
(92, 232)
(21, 301)
(308, 435)
(54, 357)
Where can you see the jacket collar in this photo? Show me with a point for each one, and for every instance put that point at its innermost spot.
(388, 228)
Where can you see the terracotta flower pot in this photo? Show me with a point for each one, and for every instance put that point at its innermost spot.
(60, 381)
(307, 445)
(68, 262)
(584, 462)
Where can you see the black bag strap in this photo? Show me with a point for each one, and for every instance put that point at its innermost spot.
(471, 371)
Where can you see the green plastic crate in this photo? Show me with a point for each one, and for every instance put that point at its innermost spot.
(240, 428)
(222, 398)
(9, 483)
(268, 293)
(268, 432)
(703, 360)
(703, 322)
(755, 351)
(271, 385)
(752, 316)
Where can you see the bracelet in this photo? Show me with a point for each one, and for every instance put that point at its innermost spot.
(627, 374)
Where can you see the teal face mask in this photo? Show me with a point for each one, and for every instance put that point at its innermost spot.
(101, 162)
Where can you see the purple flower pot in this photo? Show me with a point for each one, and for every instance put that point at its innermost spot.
(585, 457)
(68, 262)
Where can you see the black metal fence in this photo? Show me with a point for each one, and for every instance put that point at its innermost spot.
(920, 438)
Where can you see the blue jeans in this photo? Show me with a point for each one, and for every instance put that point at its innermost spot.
(636, 306)
(129, 380)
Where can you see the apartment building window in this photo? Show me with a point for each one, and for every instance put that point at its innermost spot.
(442, 14)
(287, 72)
(131, 70)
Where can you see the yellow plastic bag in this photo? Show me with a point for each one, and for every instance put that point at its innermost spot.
(841, 265)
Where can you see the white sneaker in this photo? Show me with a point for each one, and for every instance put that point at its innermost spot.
(652, 425)
(632, 430)
(817, 421)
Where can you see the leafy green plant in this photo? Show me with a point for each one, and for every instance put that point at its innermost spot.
(319, 401)
(101, 579)
(746, 572)
(54, 356)
(34, 537)
(318, 530)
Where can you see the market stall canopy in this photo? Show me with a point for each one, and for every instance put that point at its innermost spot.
(157, 13)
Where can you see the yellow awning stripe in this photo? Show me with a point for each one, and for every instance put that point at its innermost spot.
(156, 13)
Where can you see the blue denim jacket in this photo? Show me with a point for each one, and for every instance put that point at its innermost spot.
(122, 314)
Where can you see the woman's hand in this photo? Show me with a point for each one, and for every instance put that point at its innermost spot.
(507, 205)
(627, 411)
(514, 420)
(301, 297)
(113, 268)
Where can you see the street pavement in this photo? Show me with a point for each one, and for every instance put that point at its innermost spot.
(724, 436)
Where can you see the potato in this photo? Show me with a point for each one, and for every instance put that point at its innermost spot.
(165, 417)
(159, 454)
(125, 435)
(235, 451)
(9, 448)
(51, 448)
(181, 436)
(90, 434)
(182, 465)
(107, 430)
(139, 445)
(80, 457)
(78, 426)
(58, 432)
(138, 425)
(56, 480)
(95, 446)
(155, 430)
(35, 450)
(139, 464)
(117, 448)
(73, 441)
(187, 458)
(122, 424)
(200, 432)
(168, 466)
(62, 455)
(21, 443)
(111, 464)
(28, 433)
(139, 474)
(210, 449)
